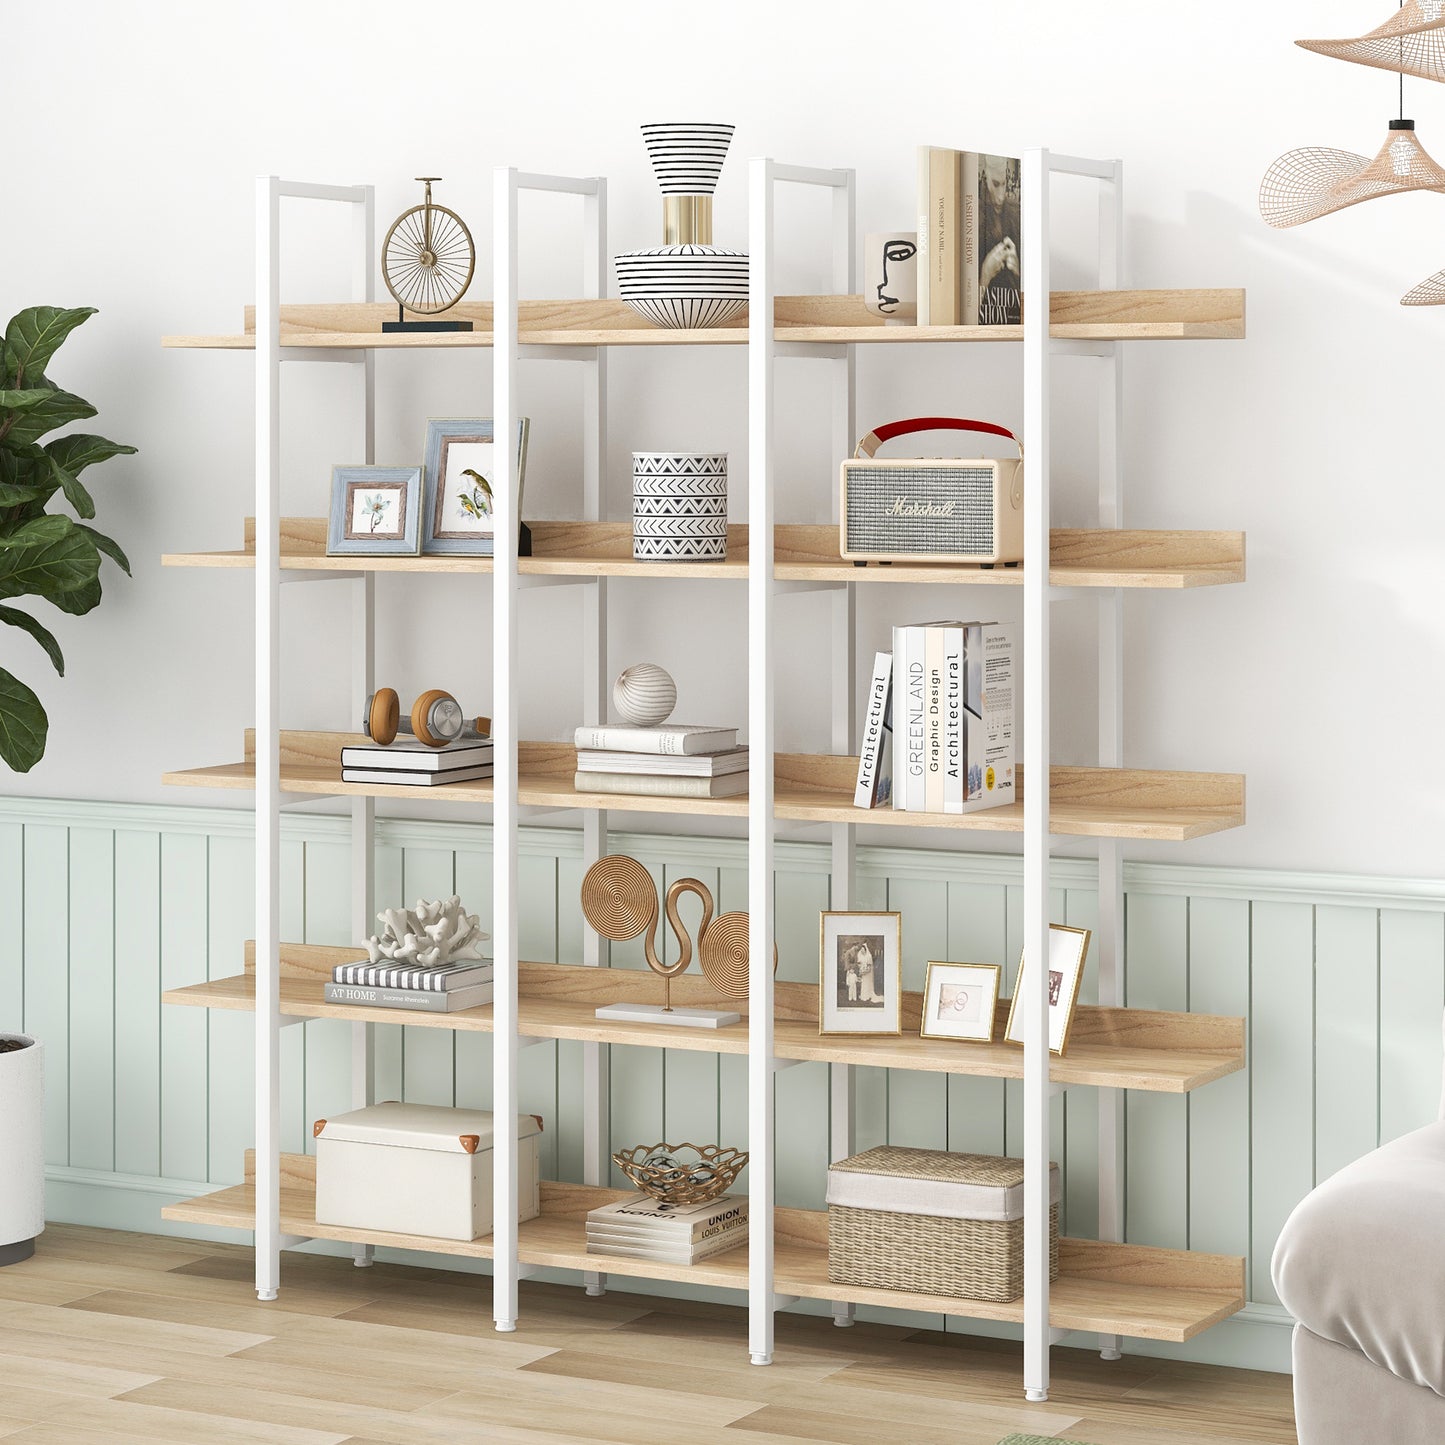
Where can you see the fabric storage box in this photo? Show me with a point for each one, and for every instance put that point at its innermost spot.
(935, 1223)
(418, 1169)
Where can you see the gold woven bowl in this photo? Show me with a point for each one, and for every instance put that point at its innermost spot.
(682, 1173)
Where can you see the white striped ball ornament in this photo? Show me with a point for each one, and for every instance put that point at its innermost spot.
(644, 694)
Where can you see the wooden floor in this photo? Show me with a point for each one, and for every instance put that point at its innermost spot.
(114, 1339)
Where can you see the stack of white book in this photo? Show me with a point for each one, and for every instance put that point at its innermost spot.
(673, 761)
(443, 989)
(641, 1227)
(416, 765)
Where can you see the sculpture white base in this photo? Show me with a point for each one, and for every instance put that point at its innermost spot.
(683, 1018)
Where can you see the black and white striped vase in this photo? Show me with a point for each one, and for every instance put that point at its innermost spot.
(680, 506)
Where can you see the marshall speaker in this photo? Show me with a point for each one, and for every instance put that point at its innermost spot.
(932, 509)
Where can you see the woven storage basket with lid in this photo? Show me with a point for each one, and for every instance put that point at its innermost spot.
(932, 1222)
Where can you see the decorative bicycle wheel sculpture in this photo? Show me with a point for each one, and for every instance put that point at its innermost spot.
(427, 262)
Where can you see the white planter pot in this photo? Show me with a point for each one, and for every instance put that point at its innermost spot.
(22, 1149)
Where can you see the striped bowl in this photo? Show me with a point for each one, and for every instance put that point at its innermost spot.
(684, 286)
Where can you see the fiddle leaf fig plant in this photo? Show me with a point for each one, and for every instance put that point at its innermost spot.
(43, 554)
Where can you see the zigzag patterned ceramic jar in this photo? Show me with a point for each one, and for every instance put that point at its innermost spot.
(680, 506)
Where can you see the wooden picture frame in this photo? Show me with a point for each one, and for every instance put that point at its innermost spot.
(960, 1001)
(457, 520)
(860, 973)
(1068, 950)
(375, 512)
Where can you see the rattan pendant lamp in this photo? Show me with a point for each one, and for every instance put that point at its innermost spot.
(1410, 42)
(1314, 181)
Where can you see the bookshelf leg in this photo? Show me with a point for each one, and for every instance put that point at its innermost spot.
(596, 1285)
(1109, 1347)
(843, 1315)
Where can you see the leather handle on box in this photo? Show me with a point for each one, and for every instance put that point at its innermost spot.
(875, 438)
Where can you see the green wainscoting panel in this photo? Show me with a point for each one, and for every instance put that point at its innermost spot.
(103, 905)
(1156, 976)
(1219, 1136)
(1282, 1099)
(1412, 993)
(232, 1036)
(45, 951)
(1347, 1033)
(138, 1008)
(92, 999)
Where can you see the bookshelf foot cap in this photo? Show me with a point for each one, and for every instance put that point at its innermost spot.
(506, 1327)
(1036, 1397)
(266, 1294)
(756, 1359)
(1111, 1354)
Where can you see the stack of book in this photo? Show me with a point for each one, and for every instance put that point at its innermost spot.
(642, 1228)
(416, 765)
(672, 761)
(443, 989)
(969, 239)
(943, 704)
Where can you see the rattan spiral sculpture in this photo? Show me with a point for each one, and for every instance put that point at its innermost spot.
(619, 901)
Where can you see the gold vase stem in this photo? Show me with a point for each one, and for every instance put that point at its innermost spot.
(687, 220)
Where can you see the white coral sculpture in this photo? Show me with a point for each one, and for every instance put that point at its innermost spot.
(433, 934)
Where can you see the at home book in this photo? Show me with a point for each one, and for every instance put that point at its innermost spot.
(422, 1000)
(671, 738)
(875, 759)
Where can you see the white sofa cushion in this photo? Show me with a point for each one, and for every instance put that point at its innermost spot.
(1362, 1259)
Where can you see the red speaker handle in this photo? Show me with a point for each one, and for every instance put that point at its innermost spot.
(875, 438)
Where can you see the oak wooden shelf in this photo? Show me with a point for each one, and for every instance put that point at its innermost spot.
(1080, 558)
(1175, 315)
(1115, 1048)
(810, 788)
(1126, 1289)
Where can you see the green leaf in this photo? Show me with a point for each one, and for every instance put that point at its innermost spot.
(74, 490)
(79, 450)
(34, 335)
(22, 399)
(80, 601)
(23, 724)
(12, 495)
(109, 546)
(26, 623)
(47, 557)
(57, 409)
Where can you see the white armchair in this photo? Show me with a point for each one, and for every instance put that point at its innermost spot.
(1360, 1264)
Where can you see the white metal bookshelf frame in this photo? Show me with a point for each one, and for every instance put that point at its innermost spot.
(765, 176)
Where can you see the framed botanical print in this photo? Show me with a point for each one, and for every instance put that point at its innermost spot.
(461, 471)
(960, 1000)
(860, 973)
(375, 511)
(1068, 948)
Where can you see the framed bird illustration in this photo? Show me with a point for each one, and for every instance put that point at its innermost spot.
(460, 506)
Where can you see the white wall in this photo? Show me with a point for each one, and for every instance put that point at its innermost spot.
(128, 178)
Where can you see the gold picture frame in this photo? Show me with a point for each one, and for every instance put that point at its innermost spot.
(1068, 952)
(967, 1014)
(860, 974)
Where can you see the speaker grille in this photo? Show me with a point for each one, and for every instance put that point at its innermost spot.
(953, 517)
